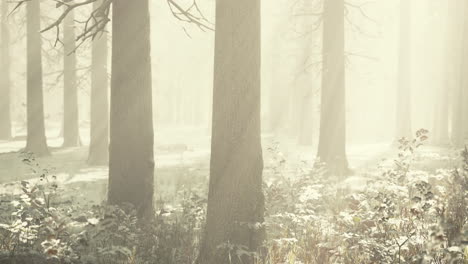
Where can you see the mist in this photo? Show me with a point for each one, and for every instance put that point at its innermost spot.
(222, 131)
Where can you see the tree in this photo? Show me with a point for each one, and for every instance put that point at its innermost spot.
(306, 98)
(441, 115)
(332, 139)
(279, 106)
(403, 117)
(99, 133)
(235, 199)
(71, 137)
(131, 157)
(5, 104)
(36, 138)
(456, 40)
(306, 121)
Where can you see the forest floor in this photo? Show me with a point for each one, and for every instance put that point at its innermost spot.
(179, 160)
(183, 162)
(298, 196)
(182, 159)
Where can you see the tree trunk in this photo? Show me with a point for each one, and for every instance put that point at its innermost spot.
(440, 135)
(279, 107)
(5, 98)
(306, 103)
(99, 133)
(403, 118)
(306, 127)
(332, 140)
(235, 200)
(461, 103)
(131, 157)
(441, 122)
(36, 138)
(71, 135)
(457, 33)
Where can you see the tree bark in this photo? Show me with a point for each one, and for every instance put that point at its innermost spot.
(36, 138)
(5, 98)
(99, 133)
(332, 139)
(235, 200)
(131, 157)
(403, 115)
(71, 135)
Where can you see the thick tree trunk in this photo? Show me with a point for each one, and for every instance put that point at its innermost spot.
(235, 200)
(71, 135)
(99, 133)
(403, 114)
(36, 138)
(131, 157)
(332, 140)
(5, 100)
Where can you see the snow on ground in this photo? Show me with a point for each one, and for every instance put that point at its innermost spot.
(182, 147)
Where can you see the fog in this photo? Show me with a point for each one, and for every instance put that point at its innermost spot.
(222, 131)
(183, 64)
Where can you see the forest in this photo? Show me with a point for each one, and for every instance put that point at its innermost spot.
(233, 131)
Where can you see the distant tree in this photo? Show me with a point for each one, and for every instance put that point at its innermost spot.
(36, 138)
(235, 199)
(71, 135)
(5, 89)
(306, 94)
(279, 94)
(332, 139)
(99, 137)
(441, 111)
(456, 40)
(131, 157)
(441, 122)
(403, 107)
(306, 126)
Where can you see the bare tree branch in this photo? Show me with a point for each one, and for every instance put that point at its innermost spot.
(97, 21)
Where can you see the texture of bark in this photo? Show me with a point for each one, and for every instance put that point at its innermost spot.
(332, 139)
(36, 138)
(5, 100)
(131, 157)
(71, 135)
(99, 130)
(235, 201)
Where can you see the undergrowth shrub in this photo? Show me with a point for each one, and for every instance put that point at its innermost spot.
(41, 228)
(402, 216)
